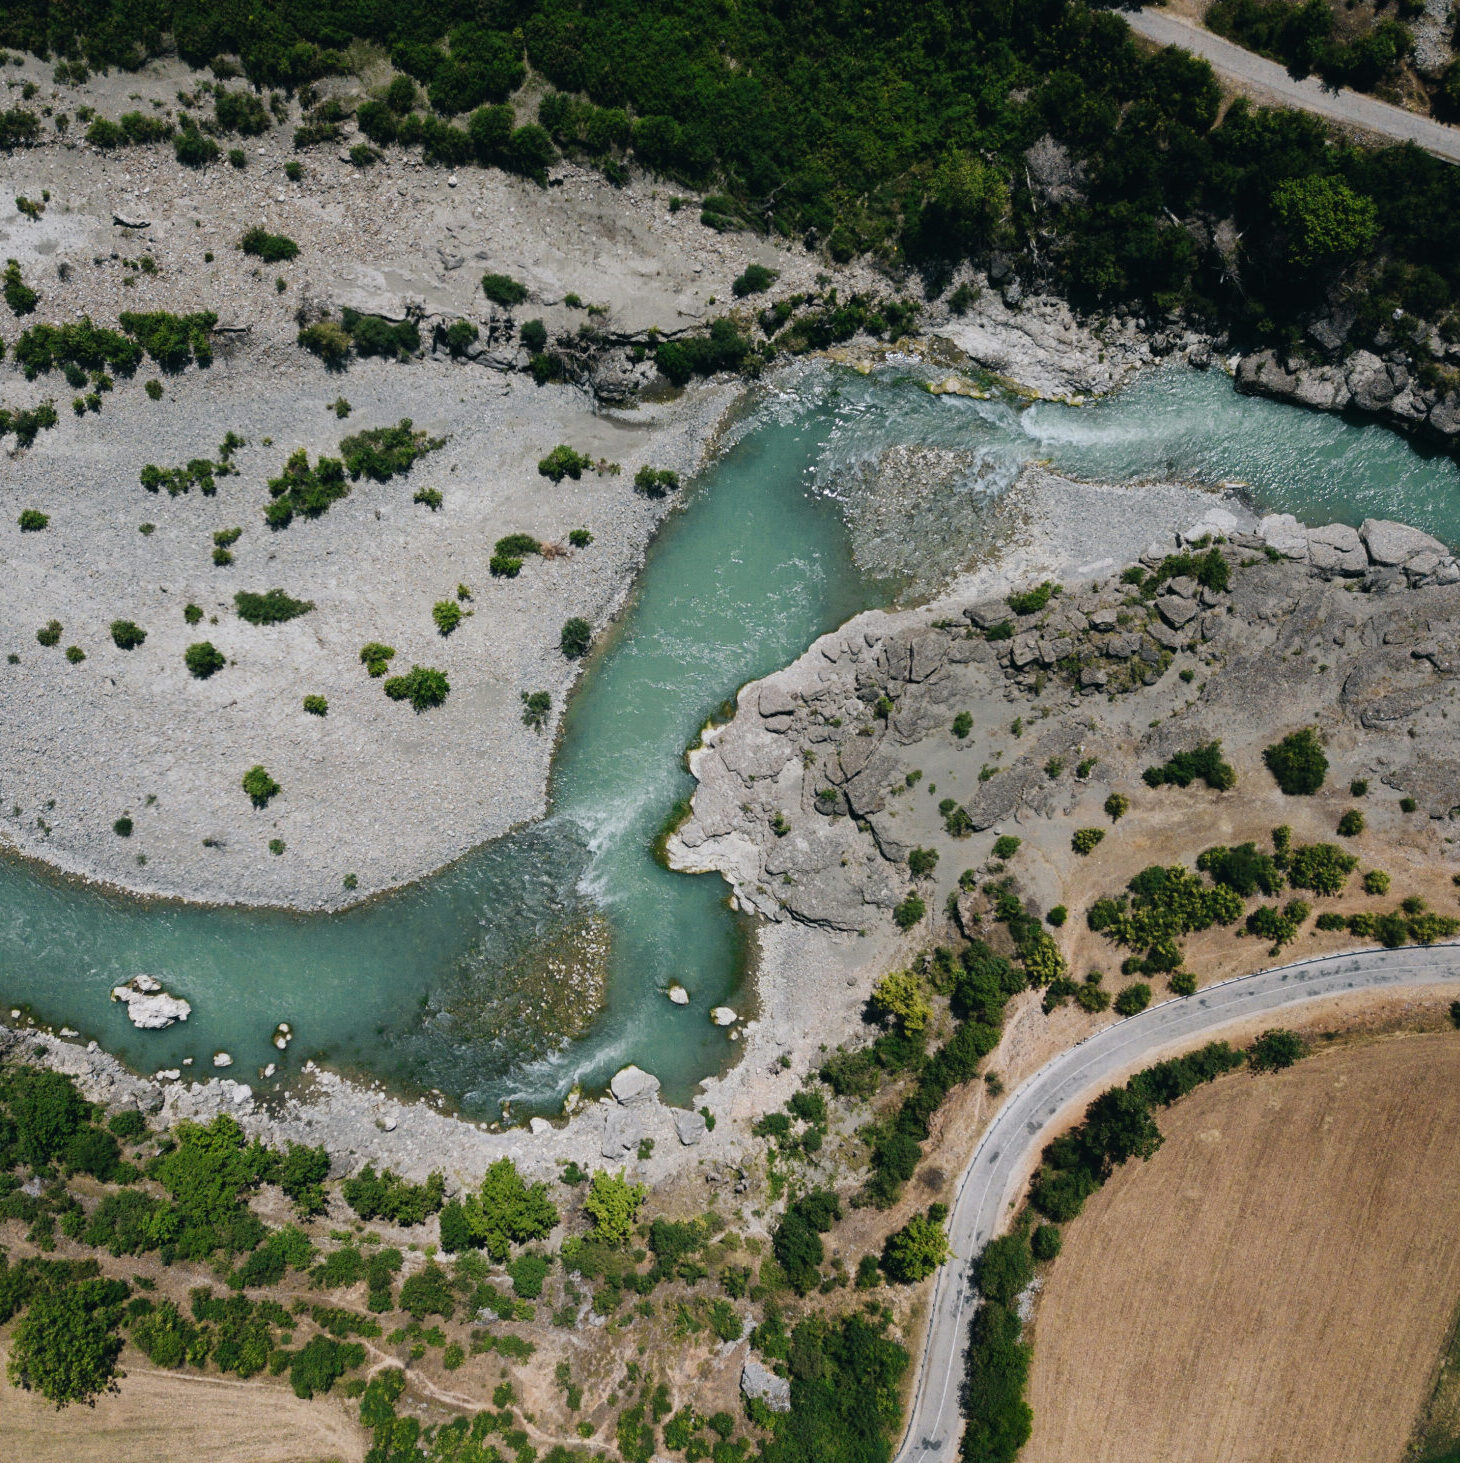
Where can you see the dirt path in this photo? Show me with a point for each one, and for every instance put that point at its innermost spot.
(1349, 108)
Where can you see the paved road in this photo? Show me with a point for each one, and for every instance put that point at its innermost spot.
(994, 1179)
(1349, 107)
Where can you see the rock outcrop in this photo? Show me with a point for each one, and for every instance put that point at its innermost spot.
(1386, 388)
(931, 727)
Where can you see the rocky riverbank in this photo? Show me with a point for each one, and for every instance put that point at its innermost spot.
(945, 728)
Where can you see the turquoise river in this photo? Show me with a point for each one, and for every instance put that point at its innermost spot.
(442, 985)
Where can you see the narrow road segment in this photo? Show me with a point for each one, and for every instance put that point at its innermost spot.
(994, 1179)
(1350, 108)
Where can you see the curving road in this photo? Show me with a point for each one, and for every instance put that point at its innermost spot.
(996, 1174)
(1351, 108)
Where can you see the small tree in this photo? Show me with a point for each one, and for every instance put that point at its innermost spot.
(1276, 1049)
(1133, 999)
(917, 1249)
(535, 708)
(422, 686)
(899, 996)
(66, 1347)
(909, 912)
(203, 659)
(126, 635)
(1297, 763)
(576, 639)
(259, 786)
(1085, 840)
(613, 1205)
(447, 615)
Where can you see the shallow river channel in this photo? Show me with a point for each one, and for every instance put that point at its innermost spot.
(466, 981)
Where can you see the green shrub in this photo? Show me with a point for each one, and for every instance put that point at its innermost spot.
(1117, 805)
(1044, 1243)
(327, 339)
(755, 280)
(1085, 840)
(1376, 881)
(962, 725)
(535, 708)
(316, 705)
(1351, 824)
(203, 658)
(1297, 763)
(271, 608)
(921, 862)
(126, 635)
(240, 111)
(580, 538)
(1321, 867)
(1133, 999)
(447, 614)
(507, 556)
(422, 686)
(1031, 601)
(373, 335)
(909, 912)
(1274, 1050)
(382, 452)
(259, 786)
(375, 657)
(122, 827)
(563, 462)
(305, 490)
(49, 634)
(1408, 805)
(502, 289)
(387, 1196)
(237, 158)
(576, 639)
(18, 295)
(655, 482)
(193, 150)
(1182, 983)
(31, 520)
(1184, 768)
(1242, 869)
(75, 654)
(1006, 845)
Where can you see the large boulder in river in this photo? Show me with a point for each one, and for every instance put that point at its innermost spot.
(633, 1087)
(148, 1005)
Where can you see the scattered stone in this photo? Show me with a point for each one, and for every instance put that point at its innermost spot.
(723, 1016)
(222, 1059)
(677, 993)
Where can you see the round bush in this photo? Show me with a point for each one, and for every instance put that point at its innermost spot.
(203, 658)
(576, 638)
(1297, 763)
(1045, 1242)
(127, 635)
(32, 520)
(1133, 999)
(259, 786)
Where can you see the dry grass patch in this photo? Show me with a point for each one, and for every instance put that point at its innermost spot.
(1278, 1282)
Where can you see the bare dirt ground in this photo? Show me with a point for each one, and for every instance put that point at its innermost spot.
(173, 1414)
(1276, 1283)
